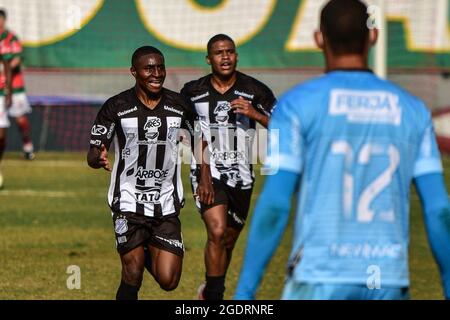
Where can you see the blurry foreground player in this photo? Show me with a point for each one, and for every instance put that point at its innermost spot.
(146, 194)
(5, 103)
(354, 143)
(229, 104)
(11, 51)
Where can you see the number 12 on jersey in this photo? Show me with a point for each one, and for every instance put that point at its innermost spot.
(364, 213)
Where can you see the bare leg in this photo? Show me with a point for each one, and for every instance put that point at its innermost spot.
(215, 250)
(231, 237)
(215, 220)
(166, 268)
(132, 271)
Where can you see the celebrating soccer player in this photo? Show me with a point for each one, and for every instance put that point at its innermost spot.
(146, 194)
(229, 104)
(354, 143)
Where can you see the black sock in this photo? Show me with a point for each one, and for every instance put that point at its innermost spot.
(215, 287)
(127, 291)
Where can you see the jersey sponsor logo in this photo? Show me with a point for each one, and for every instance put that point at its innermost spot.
(243, 94)
(119, 114)
(231, 173)
(152, 125)
(121, 226)
(200, 96)
(172, 242)
(96, 142)
(366, 250)
(233, 156)
(98, 130)
(147, 195)
(221, 111)
(149, 174)
(173, 110)
(366, 106)
(111, 130)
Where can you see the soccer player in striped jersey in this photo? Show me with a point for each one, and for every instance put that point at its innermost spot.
(229, 104)
(354, 143)
(146, 193)
(11, 51)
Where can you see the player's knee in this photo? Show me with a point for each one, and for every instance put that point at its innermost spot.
(169, 282)
(217, 236)
(132, 274)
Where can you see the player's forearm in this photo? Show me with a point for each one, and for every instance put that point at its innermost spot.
(436, 208)
(269, 222)
(262, 119)
(205, 169)
(93, 158)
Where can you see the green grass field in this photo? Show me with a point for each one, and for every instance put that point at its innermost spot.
(53, 214)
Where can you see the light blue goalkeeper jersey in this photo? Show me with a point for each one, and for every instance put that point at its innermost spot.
(357, 150)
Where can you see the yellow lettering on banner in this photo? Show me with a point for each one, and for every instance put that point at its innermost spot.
(306, 22)
(425, 22)
(38, 24)
(426, 27)
(188, 25)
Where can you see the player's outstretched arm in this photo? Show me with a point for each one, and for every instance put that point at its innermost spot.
(268, 224)
(436, 208)
(98, 158)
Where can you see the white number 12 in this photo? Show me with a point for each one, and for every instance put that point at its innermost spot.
(364, 213)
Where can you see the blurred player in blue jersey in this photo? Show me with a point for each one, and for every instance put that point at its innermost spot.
(353, 143)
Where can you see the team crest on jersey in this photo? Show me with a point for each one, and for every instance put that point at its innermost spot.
(152, 125)
(121, 226)
(221, 111)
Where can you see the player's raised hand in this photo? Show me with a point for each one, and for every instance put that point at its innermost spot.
(243, 106)
(103, 158)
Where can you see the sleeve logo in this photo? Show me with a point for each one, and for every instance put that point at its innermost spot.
(98, 130)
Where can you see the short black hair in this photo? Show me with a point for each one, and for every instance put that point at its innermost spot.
(3, 13)
(218, 37)
(344, 24)
(142, 51)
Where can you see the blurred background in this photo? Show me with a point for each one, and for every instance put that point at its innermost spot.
(77, 52)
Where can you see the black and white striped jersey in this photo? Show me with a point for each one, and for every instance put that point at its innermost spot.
(146, 176)
(229, 135)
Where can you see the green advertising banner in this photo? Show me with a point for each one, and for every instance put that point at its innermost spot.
(269, 33)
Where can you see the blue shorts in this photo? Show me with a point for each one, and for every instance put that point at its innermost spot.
(316, 291)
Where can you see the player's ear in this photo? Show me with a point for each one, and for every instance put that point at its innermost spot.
(373, 36)
(208, 61)
(133, 71)
(318, 38)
